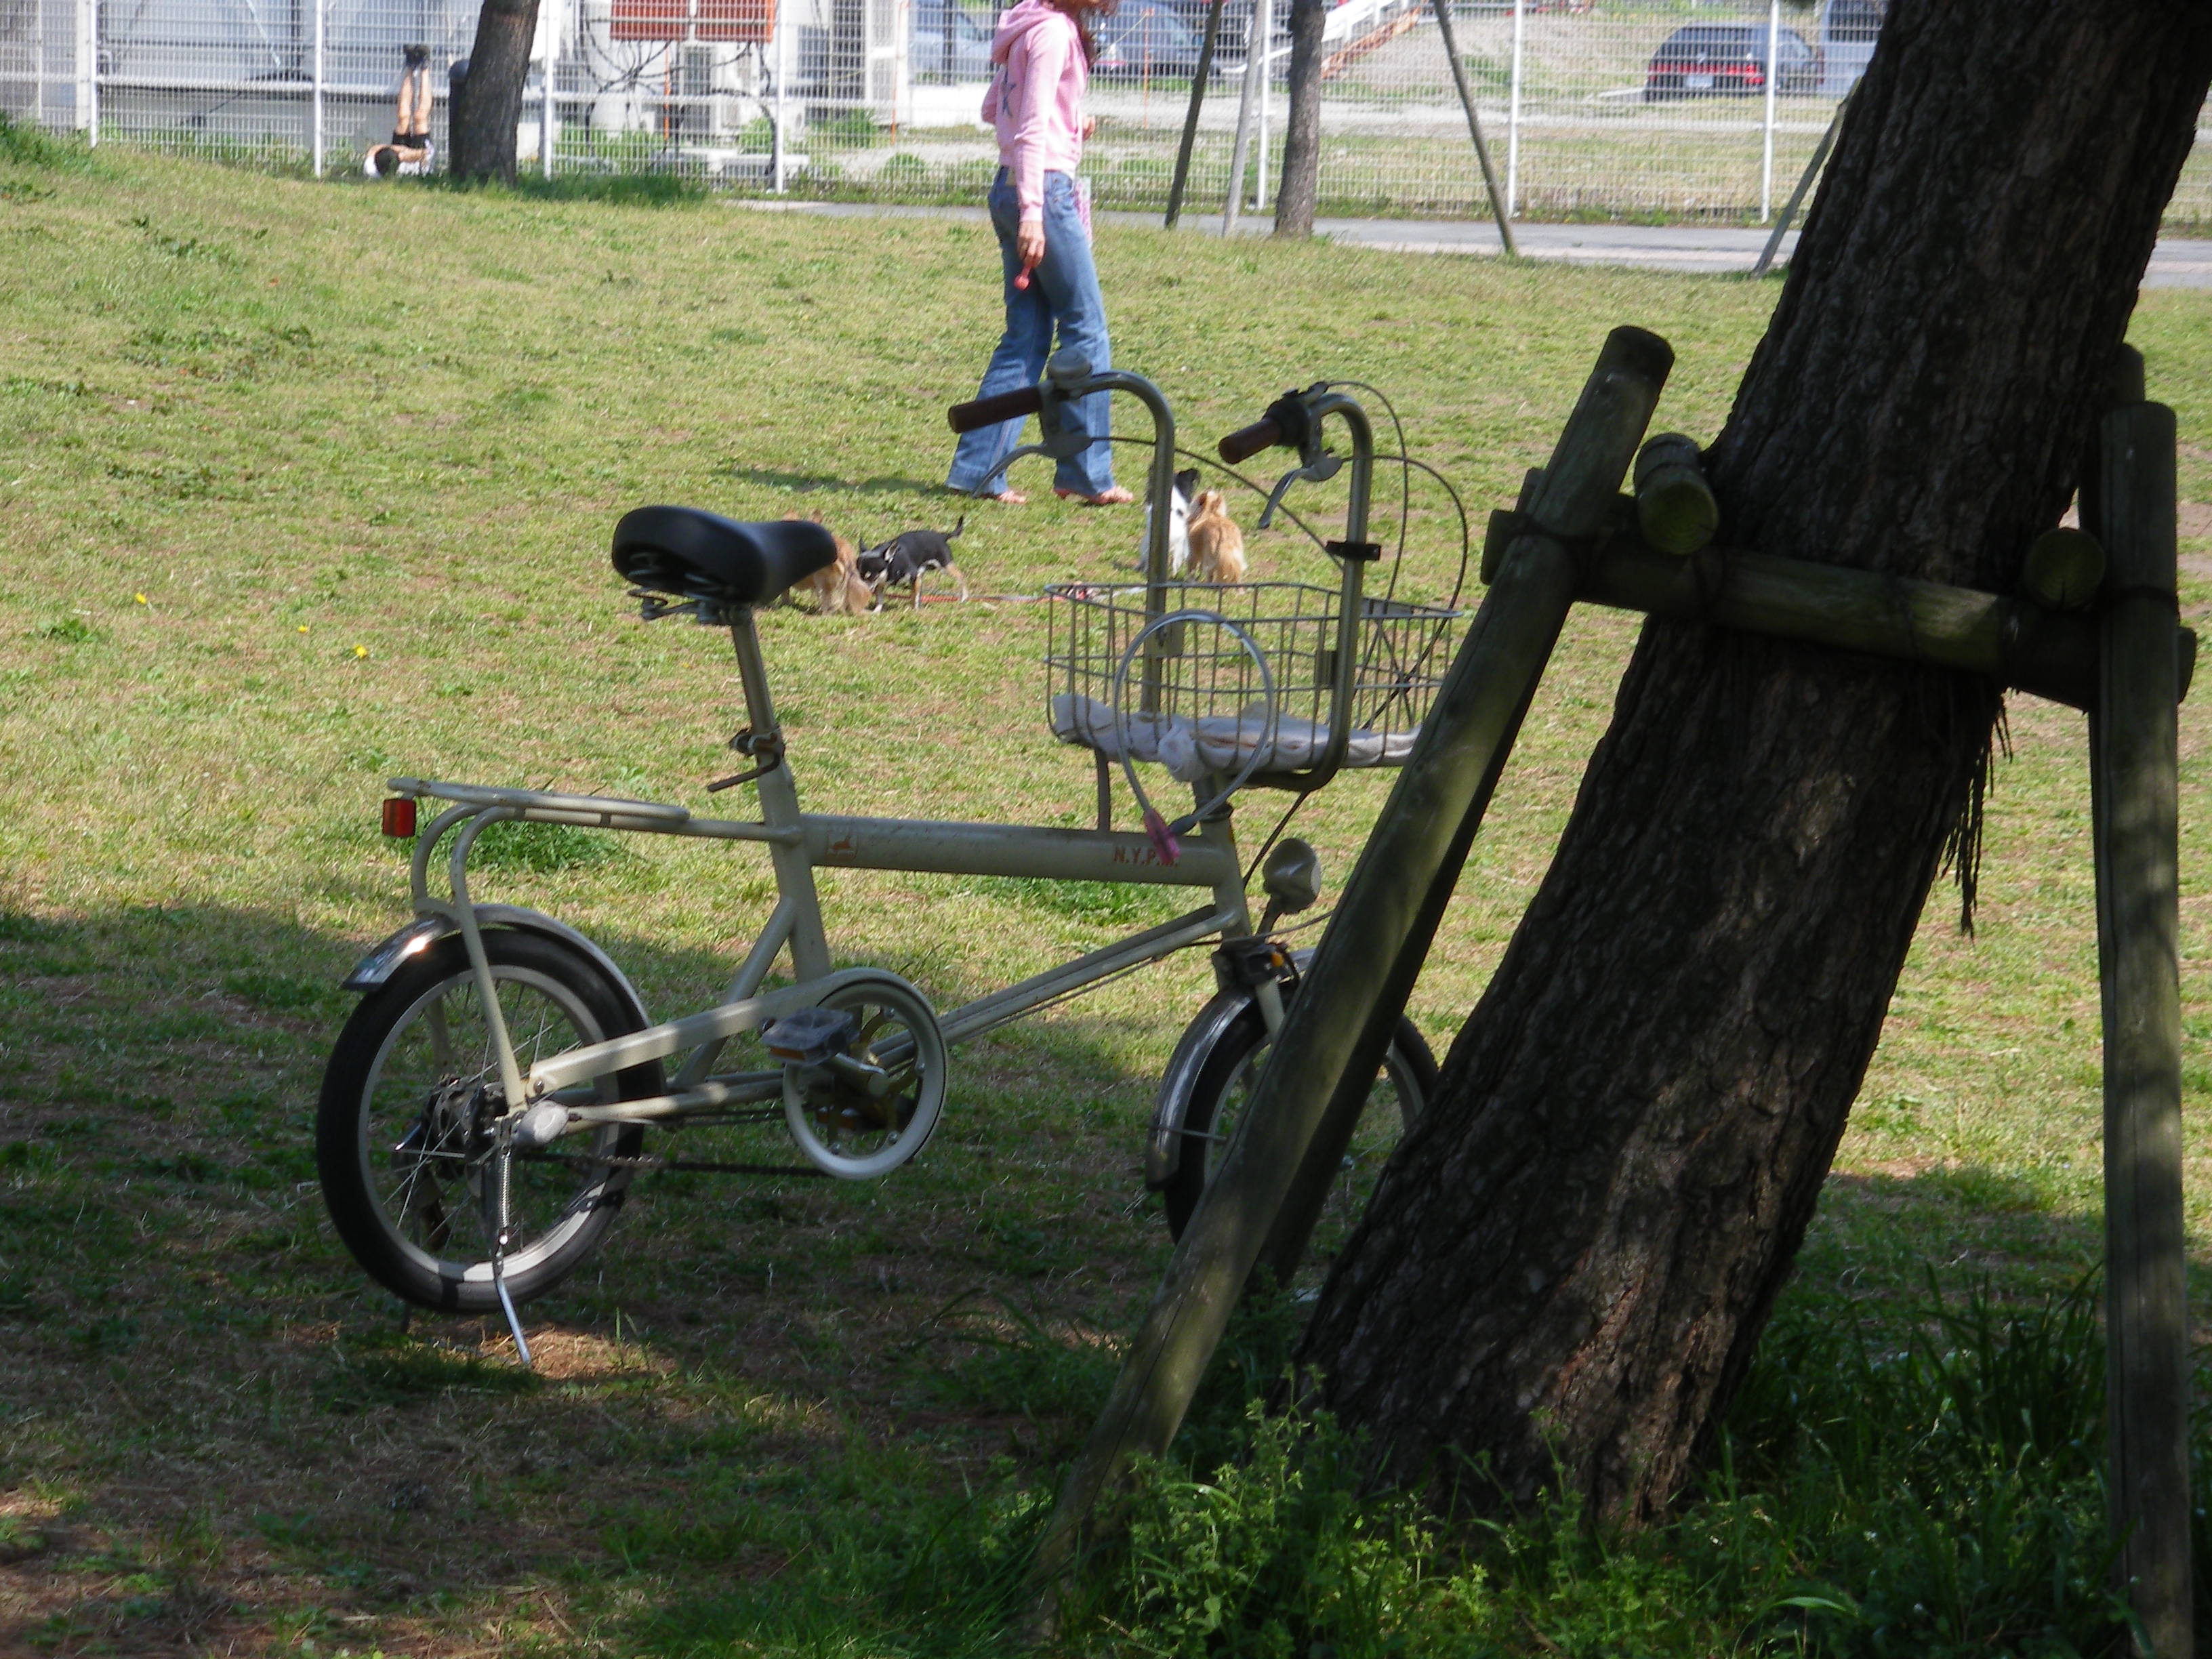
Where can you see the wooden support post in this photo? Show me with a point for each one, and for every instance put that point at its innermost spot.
(1354, 989)
(2134, 759)
(1474, 131)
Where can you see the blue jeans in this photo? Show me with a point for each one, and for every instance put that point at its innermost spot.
(1063, 291)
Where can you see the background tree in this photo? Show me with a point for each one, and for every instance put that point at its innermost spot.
(1572, 1256)
(1300, 190)
(487, 107)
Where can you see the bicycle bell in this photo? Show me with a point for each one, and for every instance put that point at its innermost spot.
(1290, 874)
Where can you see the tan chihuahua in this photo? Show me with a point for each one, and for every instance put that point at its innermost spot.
(838, 589)
(1217, 545)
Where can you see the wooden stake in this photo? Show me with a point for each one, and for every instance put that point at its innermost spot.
(2134, 761)
(1474, 131)
(1198, 81)
(1355, 988)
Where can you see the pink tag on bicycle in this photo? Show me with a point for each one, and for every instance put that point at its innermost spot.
(1163, 838)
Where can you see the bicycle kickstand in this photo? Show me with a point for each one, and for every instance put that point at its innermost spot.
(502, 1163)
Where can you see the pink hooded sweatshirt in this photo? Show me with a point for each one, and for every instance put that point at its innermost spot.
(1035, 99)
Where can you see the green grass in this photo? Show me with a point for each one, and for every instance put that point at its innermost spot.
(306, 485)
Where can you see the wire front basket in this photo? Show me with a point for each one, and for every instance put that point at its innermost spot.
(1193, 697)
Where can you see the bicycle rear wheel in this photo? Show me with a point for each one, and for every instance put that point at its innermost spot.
(401, 1138)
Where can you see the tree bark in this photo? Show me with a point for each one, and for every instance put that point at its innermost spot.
(1573, 1253)
(1301, 184)
(481, 126)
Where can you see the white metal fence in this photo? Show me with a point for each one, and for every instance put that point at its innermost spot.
(1673, 108)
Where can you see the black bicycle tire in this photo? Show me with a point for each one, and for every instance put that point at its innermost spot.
(355, 1210)
(1235, 1044)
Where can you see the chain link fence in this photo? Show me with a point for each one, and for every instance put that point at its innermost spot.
(1658, 109)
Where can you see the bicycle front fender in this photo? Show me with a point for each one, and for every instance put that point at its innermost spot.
(1165, 1141)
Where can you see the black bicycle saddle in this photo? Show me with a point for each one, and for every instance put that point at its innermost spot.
(697, 554)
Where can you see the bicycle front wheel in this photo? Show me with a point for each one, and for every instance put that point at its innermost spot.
(1220, 1087)
(403, 1142)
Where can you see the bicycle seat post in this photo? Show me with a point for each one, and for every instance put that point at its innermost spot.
(779, 801)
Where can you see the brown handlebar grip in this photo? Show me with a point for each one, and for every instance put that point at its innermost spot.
(1248, 440)
(990, 411)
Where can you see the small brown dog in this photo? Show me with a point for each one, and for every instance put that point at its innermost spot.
(1217, 545)
(838, 589)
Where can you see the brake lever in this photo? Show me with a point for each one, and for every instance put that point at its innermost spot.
(1323, 467)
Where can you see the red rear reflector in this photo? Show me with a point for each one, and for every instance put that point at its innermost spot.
(399, 817)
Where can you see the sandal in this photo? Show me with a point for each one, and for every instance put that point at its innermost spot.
(1115, 496)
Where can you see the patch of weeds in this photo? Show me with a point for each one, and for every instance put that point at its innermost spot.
(27, 1155)
(216, 354)
(1024, 1370)
(20, 1539)
(28, 144)
(192, 481)
(195, 1169)
(69, 631)
(18, 1305)
(110, 1335)
(183, 247)
(896, 1570)
(1276, 1554)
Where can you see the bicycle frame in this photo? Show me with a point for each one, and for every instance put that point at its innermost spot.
(799, 842)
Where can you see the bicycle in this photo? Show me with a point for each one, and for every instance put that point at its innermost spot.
(485, 1109)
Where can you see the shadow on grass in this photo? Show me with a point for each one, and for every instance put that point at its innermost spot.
(774, 1411)
(742, 1354)
(618, 189)
(769, 477)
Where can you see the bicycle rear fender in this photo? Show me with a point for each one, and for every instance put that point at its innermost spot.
(374, 970)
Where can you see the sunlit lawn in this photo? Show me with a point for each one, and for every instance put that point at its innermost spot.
(304, 485)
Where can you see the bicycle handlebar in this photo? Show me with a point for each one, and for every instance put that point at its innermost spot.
(990, 411)
(1248, 440)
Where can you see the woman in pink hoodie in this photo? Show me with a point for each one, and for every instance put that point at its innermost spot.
(1041, 212)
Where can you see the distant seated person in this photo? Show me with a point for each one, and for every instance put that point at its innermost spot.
(410, 151)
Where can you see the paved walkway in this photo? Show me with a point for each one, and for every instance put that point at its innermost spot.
(1711, 250)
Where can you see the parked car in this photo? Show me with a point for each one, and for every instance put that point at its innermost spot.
(1709, 58)
(1849, 29)
(1145, 40)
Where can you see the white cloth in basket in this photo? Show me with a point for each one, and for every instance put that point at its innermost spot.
(1218, 743)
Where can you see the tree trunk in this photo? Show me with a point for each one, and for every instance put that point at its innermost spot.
(1572, 1256)
(1301, 185)
(482, 123)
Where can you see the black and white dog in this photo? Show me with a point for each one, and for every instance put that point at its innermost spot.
(1186, 486)
(906, 557)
